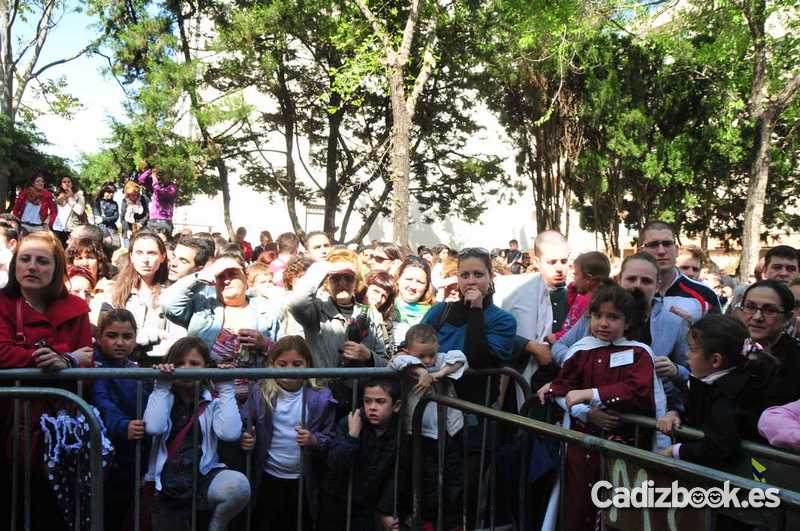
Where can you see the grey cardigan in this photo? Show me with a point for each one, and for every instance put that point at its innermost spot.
(324, 324)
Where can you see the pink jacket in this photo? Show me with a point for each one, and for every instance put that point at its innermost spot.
(780, 425)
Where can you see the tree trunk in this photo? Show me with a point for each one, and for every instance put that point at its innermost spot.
(332, 165)
(401, 162)
(756, 196)
(222, 171)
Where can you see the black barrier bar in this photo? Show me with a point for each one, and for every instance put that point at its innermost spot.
(196, 374)
(137, 465)
(26, 448)
(691, 434)
(677, 468)
(195, 440)
(95, 445)
(15, 464)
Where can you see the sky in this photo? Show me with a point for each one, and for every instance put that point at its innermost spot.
(100, 96)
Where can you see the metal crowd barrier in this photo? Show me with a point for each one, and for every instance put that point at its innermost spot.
(80, 376)
(674, 469)
(95, 448)
(760, 462)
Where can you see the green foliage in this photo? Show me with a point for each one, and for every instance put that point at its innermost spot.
(21, 154)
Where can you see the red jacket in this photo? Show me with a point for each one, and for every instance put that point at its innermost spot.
(47, 207)
(65, 326)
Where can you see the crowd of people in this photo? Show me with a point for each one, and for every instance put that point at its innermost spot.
(663, 333)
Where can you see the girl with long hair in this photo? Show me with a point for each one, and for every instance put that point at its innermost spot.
(291, 424)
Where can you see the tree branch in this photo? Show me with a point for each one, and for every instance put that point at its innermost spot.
(42, 31)
(785, 97)
(377, 27)
(428, 64)
(89, 47)
(408, 32)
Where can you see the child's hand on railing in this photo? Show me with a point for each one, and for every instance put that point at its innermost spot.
(248, 439)
(354, 424)
(135, 430)
(542, 393)
(424, 381)
(166, 368)
(669, 422)
(579, 396)
(305, 437)
(390, 523)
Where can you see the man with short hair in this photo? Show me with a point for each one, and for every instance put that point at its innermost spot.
(86, 231)
(686, 297)
(539, 300)
(8, 243)
(514, 257)
(288, 244)
(781, 263)
(190, 255)
(318, 245)
(690, 261)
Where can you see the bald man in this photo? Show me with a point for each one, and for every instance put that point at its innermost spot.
(538, 300)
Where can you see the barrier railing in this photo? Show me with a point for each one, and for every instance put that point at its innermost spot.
(142, 375)
(95, 448)
(789, 500)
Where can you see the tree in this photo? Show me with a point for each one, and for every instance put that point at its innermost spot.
(20, 67)
(155, 54)
(768, 99)
(311, 62)
(396, 63)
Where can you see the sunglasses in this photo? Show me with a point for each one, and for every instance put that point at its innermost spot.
(655, 244)
(473, 252)
(343, 277)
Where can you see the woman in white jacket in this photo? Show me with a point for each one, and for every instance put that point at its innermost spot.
(175, 455)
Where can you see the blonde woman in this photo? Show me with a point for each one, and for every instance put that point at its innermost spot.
(339, 331)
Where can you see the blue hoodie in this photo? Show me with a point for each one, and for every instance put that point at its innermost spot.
(115, 398)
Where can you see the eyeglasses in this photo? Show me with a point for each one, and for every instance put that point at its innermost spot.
(655, 244)
(343, 277)
(769, 311)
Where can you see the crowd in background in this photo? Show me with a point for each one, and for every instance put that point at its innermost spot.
(90, 282)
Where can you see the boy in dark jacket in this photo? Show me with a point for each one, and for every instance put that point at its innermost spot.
(366, 442)
(115, 399)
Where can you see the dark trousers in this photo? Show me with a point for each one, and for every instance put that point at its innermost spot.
(453, 480)
(333, 516)
(276, 507)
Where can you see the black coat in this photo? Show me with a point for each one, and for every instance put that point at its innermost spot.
(784, 385)
(108, 212)
(727, 411)
(373, 458)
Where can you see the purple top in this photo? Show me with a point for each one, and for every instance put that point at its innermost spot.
(162, 198)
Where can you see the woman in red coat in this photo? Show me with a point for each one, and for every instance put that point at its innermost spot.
(35, 206)
(41, 325)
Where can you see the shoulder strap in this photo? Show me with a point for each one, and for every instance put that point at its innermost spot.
(177, 442)
(443, 316)
(19, 333)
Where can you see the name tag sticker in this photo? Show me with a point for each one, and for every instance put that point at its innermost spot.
(621, 358)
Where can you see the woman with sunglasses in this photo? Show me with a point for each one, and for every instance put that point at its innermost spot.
(415, 296)
(766, 310)
(474, 325)
(339, 331)
(237, 329)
